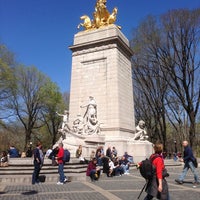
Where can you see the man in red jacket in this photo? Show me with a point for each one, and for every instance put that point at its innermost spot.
(59, 159)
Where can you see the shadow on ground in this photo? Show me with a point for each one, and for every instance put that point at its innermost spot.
(31, 192)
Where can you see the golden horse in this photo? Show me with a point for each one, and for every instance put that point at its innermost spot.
(112, 18)
(87, 23)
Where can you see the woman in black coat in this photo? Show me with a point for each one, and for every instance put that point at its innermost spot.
(157, 186)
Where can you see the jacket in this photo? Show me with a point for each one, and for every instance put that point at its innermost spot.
(60, 155)
(37, 157)
(188, 155)
(91, 166)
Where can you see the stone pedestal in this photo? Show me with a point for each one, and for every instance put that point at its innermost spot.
(101, 67)
(140, 150)
(89, 143)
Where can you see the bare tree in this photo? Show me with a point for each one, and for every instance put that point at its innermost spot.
(150, 98)
(171, 44)
(180, 59)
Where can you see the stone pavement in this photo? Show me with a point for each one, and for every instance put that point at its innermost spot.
(126, 187)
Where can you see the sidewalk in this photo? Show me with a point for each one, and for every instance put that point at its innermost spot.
(126, 187)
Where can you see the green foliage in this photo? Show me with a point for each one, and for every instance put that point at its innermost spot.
(33, 100)
(6, 78)
(53, 102)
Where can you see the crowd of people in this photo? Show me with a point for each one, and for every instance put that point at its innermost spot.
(108, 163)
(13, 152)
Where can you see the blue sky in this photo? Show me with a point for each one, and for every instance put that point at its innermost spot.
(39, 32)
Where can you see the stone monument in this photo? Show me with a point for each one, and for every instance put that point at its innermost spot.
(101, 69)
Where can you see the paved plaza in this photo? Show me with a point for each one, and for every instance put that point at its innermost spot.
(126, 187)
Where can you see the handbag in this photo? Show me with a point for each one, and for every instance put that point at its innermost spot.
(195, 163)
(165, 173)
(96, 176)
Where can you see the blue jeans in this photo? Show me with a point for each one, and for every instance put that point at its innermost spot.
(61, 172)
(125, 168)
(186, 168)
(92, 173)
(130, 159)
(35, 175)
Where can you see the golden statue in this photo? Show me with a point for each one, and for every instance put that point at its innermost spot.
(101, 15)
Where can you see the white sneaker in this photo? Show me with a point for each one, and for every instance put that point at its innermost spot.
(59, 183)
(65, 180)
(194, 186)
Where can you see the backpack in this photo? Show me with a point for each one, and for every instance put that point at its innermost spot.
(66, 157)
(147, 169)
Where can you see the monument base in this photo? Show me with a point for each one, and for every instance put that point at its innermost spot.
(140, 150)
(89, 143)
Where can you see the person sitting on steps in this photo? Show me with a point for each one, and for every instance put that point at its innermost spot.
(93, 171)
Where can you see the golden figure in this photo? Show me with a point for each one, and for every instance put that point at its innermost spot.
(101, 15)
(112, 18)
(87, 22)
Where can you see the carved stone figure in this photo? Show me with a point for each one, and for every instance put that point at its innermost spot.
(78, 125)
(65, 119)
(91, 111)
(81, 126)
(141, 133)
(101, 16)
(91, 124)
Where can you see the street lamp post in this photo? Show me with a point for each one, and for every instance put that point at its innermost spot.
(31, 145)
(175, 147)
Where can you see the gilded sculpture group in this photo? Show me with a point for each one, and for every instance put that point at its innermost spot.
(101, 16)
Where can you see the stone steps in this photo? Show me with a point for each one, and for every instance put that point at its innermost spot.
(50, 178)
(20, 171)
(27, 171)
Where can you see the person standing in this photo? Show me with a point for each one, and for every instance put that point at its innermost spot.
(41, 156)
(59, 159)
(37, 163)
(109, 152)
(114, 152)
(188, 159)
(157, 186)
